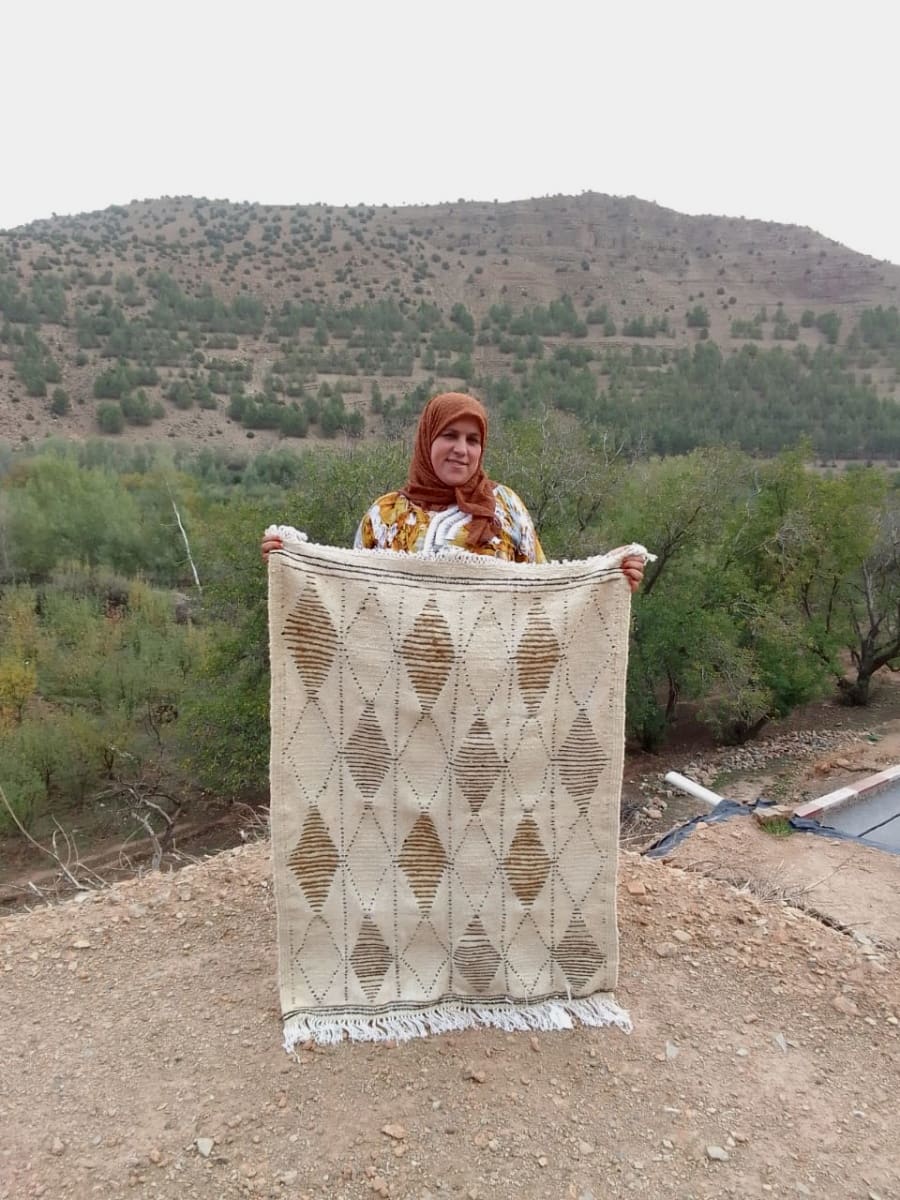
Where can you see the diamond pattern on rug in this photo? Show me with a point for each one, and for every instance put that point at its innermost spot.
(475, 957)
(423, 861)
(485, 653)
(318, 959)
(368, 860)
(311, 638)
(537, 656)
(527, 863)
(446, 759)
(314, 860)
(428, 653)
(581, 759)
(427, 958)
(478, 766)
(577, 953)
(368, 754)
(369, 672)
(371, 958)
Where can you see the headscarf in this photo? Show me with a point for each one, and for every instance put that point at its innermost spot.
(426, 490)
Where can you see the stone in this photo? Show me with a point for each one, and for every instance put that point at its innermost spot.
(635, 888)
(843, 1004)
(57, 1146)
(666, 949)
(717, 1154)
(672, 1051)
(397, 1132)
(204, 1146)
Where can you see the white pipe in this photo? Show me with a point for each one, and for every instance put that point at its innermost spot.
(693, 789)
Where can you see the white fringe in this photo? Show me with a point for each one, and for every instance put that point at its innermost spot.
(452, 1017)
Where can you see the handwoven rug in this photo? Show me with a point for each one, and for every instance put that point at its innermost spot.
(447, 746)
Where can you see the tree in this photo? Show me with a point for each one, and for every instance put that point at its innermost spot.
(698, 317)
(110, 417)
(831, 547)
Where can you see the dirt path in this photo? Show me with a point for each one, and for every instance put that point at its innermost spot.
(143, 1020)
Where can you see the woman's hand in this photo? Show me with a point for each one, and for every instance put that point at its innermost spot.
(632, 567)
(633, 570)
(270, 543)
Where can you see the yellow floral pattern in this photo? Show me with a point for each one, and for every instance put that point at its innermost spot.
(395, 523)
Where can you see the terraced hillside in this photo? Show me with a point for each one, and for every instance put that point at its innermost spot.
(202, 320)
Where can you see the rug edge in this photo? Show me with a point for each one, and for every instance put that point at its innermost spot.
(454, 1016)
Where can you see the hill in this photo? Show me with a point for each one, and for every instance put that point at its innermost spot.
(210, 321)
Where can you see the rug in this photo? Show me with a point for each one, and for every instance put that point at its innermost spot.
(447, 747)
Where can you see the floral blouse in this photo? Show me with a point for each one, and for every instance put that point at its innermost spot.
(395, 523)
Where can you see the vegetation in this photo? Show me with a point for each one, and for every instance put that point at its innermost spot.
(123, 688)
(623, 409)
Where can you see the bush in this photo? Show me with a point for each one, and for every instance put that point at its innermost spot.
(59, 403)
(110, 418)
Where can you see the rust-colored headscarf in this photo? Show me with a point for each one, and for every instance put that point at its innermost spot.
(426, 490)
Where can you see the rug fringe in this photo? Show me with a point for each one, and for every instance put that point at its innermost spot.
(452, 1017)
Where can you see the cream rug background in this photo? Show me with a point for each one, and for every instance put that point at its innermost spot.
(447, 745)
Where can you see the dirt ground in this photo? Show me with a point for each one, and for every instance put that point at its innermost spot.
(141, 1049)
(141, 1057)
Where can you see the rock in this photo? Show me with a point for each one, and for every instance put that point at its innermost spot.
(204, 1146)
(780, 1041)
(717, 1154)
(666, 949)
(681, 935)
(477, 1076)
(654, 814)
(772, 813)
(843, 1004)
(397, 1132)
(585, 1148)
(636, 888)
(81, 944)
(672, 1051)
(379, 1186)
(57, 1146)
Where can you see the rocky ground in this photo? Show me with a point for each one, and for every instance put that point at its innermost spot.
(141, 1056)
(141, 1039)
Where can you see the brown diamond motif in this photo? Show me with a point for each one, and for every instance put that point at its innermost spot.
(536, 656)
(477, 764)
(578, 954)
(368, 754)
(311, 638)
(423, 861)
(370, 958)
(581, 760)
(475, 957)
(314, 860)
(428, 653)
(527, 863)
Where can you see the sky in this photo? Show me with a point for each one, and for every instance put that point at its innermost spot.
(782, 111)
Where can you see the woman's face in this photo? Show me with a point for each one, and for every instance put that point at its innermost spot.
(456, 452)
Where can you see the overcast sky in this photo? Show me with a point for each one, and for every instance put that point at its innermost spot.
(786, 111)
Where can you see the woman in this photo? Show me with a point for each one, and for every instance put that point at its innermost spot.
(448, 504)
